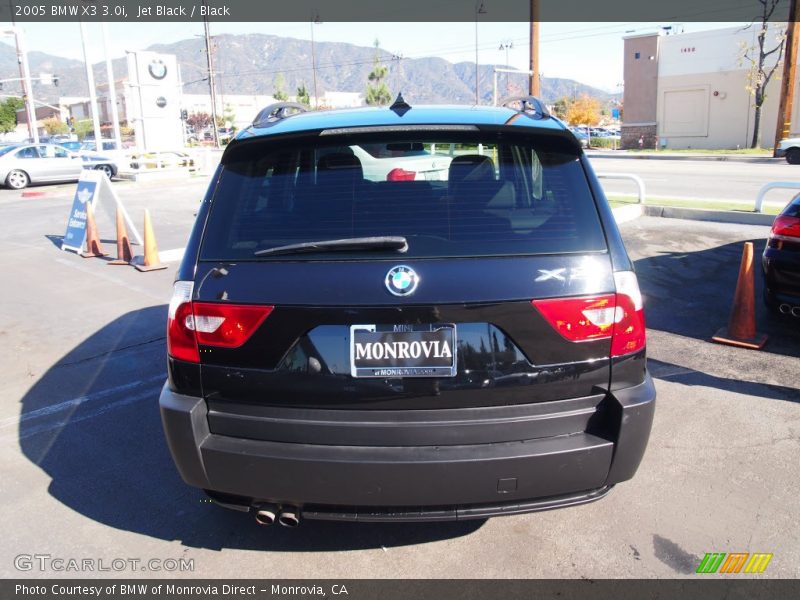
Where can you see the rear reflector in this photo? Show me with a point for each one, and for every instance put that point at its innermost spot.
(617, 316)
(191, 324)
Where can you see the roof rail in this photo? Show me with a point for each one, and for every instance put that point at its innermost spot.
(530, 105)
(275, 112)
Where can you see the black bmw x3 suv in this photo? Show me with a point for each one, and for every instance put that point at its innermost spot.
(405, 314)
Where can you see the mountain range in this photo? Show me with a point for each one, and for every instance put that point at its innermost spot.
(249, 63)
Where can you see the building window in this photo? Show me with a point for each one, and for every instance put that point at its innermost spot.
(637, 55)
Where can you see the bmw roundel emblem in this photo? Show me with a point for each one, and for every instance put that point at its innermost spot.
(157, 69)
(402, 280)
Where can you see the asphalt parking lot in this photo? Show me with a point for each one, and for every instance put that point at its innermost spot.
(86, 473)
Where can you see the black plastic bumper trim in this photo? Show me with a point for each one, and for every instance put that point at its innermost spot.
(457, 513)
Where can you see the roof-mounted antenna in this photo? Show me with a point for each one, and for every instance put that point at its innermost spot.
(400, 106)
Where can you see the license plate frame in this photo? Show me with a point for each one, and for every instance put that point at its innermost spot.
(367, 366)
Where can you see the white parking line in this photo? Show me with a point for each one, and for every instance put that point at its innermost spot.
(75, 402)
(173, 255)
(70, 419)
(110, 277)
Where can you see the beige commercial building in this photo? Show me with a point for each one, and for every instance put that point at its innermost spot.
(690, 90)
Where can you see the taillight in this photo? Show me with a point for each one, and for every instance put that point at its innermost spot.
(786, 228)
(181, 343)
(629, 330)
(399, 174)
(191, 324)
(580, 319)
(617, 316)
(227, 325)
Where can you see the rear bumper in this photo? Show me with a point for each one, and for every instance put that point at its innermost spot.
(411, 483)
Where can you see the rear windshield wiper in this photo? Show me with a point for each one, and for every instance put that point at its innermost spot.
(385, 242)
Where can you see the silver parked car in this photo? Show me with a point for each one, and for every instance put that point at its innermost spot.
(22, 164)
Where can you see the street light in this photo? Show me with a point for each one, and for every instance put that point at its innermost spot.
(27, 86)
(507, 45)
(92, 91)
(479, 10)
(112, 91)
(314, 21)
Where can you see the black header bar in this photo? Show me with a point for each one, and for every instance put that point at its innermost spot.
(669, 11)
(705, 587)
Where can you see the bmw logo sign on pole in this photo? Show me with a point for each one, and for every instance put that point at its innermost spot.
(401, 280)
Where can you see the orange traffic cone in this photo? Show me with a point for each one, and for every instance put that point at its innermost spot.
(741, 329)
(93, 245)
(124, 249)
(151, 260)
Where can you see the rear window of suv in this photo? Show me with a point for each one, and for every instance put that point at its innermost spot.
(456, 195)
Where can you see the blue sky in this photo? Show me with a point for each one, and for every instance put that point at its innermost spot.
(587, 52)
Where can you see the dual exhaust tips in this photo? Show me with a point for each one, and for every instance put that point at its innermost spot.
(267, 514)
(787, 309)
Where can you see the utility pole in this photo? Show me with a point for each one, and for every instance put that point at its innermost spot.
(507, 45)
(112, 92)
(25, 78)
(211, 86)
(479, 10)
(786, 102)
(535, 89)
(314, 21)
(98, 139)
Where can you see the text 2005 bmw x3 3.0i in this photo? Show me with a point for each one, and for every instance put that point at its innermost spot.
(405, 313)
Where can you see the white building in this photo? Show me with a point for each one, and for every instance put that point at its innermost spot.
(689, 90)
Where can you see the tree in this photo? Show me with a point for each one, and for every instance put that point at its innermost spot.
(560, 107)
(302, 95)
(8, 114)
(54, 126)
(585, 110)
(198, 121)
(83, 128)
(277, 88)
(229, 116)
(760, 72)
(377, 92)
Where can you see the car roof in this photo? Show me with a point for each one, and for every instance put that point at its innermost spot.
(416, 115)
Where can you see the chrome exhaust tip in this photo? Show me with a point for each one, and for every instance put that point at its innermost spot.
(265, 514)
(289, 517)
(796, 311)
(785, 309)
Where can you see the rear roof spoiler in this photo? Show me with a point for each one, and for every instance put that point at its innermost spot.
(529, 105)
(275, 112)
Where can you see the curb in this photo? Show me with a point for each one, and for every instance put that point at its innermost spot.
(160, 175)
(623, 214)
(36, 194)
(697, 157)
(700, 214)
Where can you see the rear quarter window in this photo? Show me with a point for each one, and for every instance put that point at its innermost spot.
(460, 196)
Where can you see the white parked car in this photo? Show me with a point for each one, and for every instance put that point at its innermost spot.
(790, 149)
(23, 164)
(403, 161)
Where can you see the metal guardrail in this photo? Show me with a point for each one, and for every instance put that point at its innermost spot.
(635, 178)
(786, 185)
